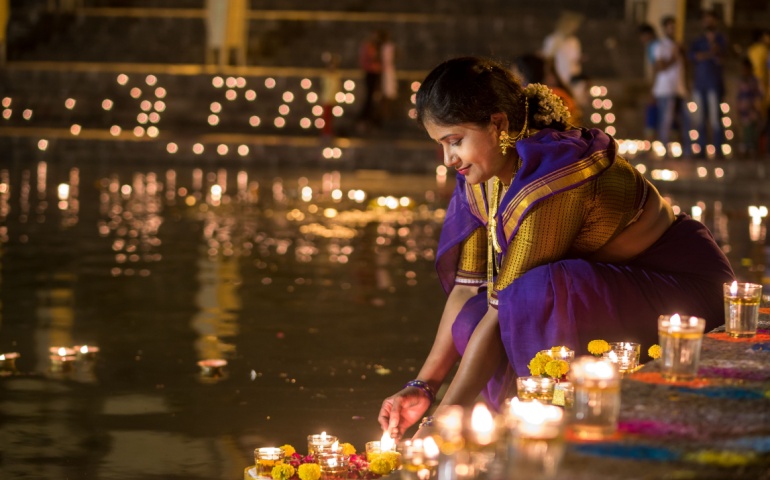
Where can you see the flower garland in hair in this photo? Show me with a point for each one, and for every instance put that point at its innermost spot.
(551, 108)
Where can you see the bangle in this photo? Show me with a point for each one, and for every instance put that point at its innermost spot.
(424, 387)
(426, 422)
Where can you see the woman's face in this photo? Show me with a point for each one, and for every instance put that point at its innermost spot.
(472, 150)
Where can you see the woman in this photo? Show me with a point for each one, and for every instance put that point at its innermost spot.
(550, 239)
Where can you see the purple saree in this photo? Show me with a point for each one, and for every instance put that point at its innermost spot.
(573, 300)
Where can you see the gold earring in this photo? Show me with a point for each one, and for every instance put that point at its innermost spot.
(506, 142)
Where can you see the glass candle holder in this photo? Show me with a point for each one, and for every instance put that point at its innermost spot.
(535, 388)
(741, 308)
(334, 466)
(449, 424)
(597, 397)
(536, 446)
(266, 458)
(481, 429)
(625, 354)
(419, 458)
(680, 343)
(560, 353)
(317, 444)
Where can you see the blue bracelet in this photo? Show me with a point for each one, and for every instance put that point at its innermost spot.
(426, 389)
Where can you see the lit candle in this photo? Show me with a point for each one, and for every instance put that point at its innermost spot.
(61, 358)
(87, 352)
(742, 302)
(560, 353)
(266, 458)
(537, 440)
(212, 367)
(319, 443)
(625, 355)
(334, 466)
(535, 388)
(536, 420)
(483, 430)
(385, 444)
(680, 343)
(597, 397)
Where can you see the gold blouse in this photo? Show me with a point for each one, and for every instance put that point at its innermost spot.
(570, 224)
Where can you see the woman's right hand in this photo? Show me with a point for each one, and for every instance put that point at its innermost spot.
(402, 410)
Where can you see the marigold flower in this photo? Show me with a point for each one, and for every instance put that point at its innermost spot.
(288, 450)
(598, 347)
(384, 463)
(655, 351)
(556, 368)
(309, 471)
(282, 472)
(348, 449)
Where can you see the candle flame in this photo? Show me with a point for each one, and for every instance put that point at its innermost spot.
(481, 419)
(563, 351)
(62, 352)
(2, 357)
(386, 442)
(734, 288)
(335, 446)
(535, 412)
(84, 349)
(613, 356)
(323, 436)
(331, 462)
(430, 447)
(675, 319)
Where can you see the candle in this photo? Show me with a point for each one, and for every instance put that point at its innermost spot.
(625, 355)
(212, 367)
(742, 308)
(535, 388)
(419, 458)
(597, 397)
(536, 443)
(334, 466)
(680, 344)
(560, 353)
(483, 430)
(449, 423)
(318, 443)
(8, 361)
(86, 352)
(62, 359)
(266, 458)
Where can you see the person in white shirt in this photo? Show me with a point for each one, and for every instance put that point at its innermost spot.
(669, 88)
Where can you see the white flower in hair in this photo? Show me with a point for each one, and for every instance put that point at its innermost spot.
(550, 107)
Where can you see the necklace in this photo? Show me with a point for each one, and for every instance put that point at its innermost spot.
(493, 244)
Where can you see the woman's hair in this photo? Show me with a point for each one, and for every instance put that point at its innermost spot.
(471, 90)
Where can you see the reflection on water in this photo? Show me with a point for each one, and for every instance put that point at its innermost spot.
(317, 290)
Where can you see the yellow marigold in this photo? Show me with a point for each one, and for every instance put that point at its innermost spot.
(556, 368)
(309, 471)
(348, 449)
(288, 450)
(654, 351)
(282, 472)
(558, 349)
(537, 364)
(597, 347)
(722, 458)
(384, 463)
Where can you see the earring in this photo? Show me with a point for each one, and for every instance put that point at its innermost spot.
(506, 142)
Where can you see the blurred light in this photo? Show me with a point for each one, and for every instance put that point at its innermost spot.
(658, 148)
(597, 103)
(243, 150)
(305, 83)
(26, 114)
(215, 107)
(692, 107)
(151, 80)
(213, 120)
(312, 97)
(676, 149)
(270, 82)
(336, 152)
(70, 103)
(702, 172)
(596, 117)
(339, 97)
(146, 105)
(609, 118)
(404, 201)
(359, 196)
(216, 193)
(719, 172)
(142, 118)
(107, 104)
(305, 123)
(413, 99)
(319, 123)
(251, 95)
(75, 129)
(231, 95)
(696, 149)
(222, 149)
(136, 92)
(349, 85)
(694, 135)
(337, 111)
(595, 91)
(284, 109)
(415, 86)
(441, 170)
(337, 194)
(727, 122)
(697, 213)
(122, 79)
(240, 82)
(710, 150)
(306, 193)
(327, 152)
(217, 82)
(160, 92)
(412, 113)
(288, 97)
(641, 168)
(279, 122)
(729, 134)
(602, 93)
(318, 110)
(115, 130)
(197, 149)
(610, 130)
(153, 132)
(254, 121)
(726, 149)
(7, 113)
(725, 108)
(231, 82)
(607, 104)
(160, 106)
(172, 147)
(42, 144)
(154, 117)
(350, 98)
(139, 131)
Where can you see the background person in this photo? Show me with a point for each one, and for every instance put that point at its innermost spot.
(574, 245)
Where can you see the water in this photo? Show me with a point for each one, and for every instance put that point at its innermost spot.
(321, 308)
(596, 411)
(742, 315)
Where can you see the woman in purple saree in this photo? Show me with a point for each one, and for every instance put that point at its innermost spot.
(550, 239)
